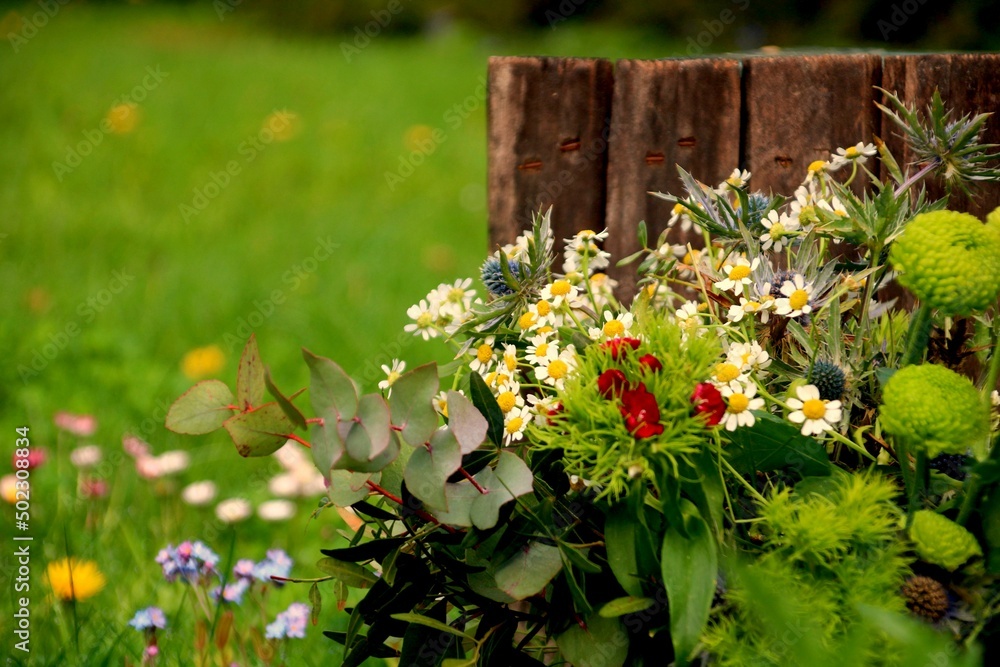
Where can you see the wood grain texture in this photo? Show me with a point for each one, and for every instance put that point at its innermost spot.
(801, 108)
(970, 84)
(548, 127)
(666, 113)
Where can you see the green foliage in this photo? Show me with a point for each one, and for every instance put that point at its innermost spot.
(940, 541)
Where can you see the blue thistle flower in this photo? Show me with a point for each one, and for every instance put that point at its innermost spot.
(828, 378)
(757, 203)
(492, 276)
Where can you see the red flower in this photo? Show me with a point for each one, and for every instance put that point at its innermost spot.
(611, 383)
(36, 457)
(615, 345)
(651, 362)
(642, 414)
(553, 412)
(708, 401)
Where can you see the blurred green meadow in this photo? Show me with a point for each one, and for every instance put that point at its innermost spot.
(170, 181)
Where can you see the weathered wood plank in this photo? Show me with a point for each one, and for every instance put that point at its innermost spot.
(548, 126)
(666, 113)
(801, 108)
(970, 84)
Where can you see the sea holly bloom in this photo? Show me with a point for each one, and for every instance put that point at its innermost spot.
(74, 580)
(392, 373)
(815, 414)
(740, 401)
(514, 424)
(780, 230)
(794, 301)
(485, 356)
(615, 326)
(641, 412)
(737, 275)
(611, 383)
(707, 400)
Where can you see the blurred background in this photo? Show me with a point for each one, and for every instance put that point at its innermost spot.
(177, 175)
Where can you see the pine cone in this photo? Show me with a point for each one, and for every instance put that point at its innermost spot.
(926, 597)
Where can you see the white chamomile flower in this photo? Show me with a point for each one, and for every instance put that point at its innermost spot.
(748, 356)
(740, 400)
(780, 230)
(860, 152)
(542, 406)
(747, 307)
(615, 326)
(545, 314)
(794, 301)
(455, 299)
(737, 179)
(514, 424)
(509, 358)
(815, 168)
(541, 351)
(441, 402)
(815, 414)
(583, 246)
(727, 372)
(602, 286)
(680, 213)
(554, 371)
(392, 374)
(737, 274)
(486, 354)
(509, 396)
(560, 291)
(424, 316)
(833, 205)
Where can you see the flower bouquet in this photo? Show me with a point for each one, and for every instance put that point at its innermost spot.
(763, 460)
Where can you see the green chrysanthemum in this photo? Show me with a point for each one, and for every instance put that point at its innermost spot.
(950, 261)
(940, 541)
(934, 408)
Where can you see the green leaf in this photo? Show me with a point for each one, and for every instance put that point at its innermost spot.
(327, 443)
(420, 619)
(370, 436)
(619, 538)
(293, 413)
(377, 464)
(412, 406)
(260, 432)
(201, 409)
(511, 479)
(351, 574)
(250, 377)
(579, 560)
(487, 405)
(626, 605)
(332, 392)
(603, 644)
(347, 488)
(690, 567)
(772, 444)
(316, 603)
(466, 422)
(429, 468)
(528, 571)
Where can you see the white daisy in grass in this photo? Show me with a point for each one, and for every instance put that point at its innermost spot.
(509, 396)
(554, 371)
(514, 423)
(748, 356)
(795, 296)
(392, 373)
(424, 315)
(615, 326)
(748, 307)
(859, 152)
(559, 292)
(541, 351)
(781, 229)
(485, 355)
(737, 274)
(740, 400)
(815, 414)
(509, 359)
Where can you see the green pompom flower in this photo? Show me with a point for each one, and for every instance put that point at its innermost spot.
(934, 408)
(940, 541)
(950, 261)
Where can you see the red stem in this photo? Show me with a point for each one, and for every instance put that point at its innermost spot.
(395, 428)
(479, 487)
(315, 420)
(292, 436)
(399, 501)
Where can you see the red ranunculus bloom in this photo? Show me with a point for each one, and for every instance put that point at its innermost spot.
(651, 362)
(615, 345)
(611, 383)
(708, 401)
(642, 414)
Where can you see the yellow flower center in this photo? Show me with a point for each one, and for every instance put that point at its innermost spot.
(651, 290)
(614, 328)
(734, 181)
(514, 425)
(502, 379)
(526, 320)
(751, 307)
(777, 230)
(484, 353)
(456, 295)
(738, 403)
(560, 288)
(688, 259)
(425, 320)
(814, 408)
(841, 212)
(807, 213)
(726, 372)
(816, 166)
(542, 349)
(443, 407)
(851, 152)
(739, 272)
(506, 401)
(545, 330)
(798, 299)
(544, 308)
(393, 376)
(558, 369)
(510, 361)
(586, 233)
(677, 209)
(598, 279)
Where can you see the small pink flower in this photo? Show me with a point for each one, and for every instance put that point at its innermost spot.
(82, 426)
(36, 457)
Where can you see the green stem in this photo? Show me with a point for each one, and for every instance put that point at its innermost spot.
(850, 444)
(971, 492)
(749, 487)
(917, 488)
(918, 336)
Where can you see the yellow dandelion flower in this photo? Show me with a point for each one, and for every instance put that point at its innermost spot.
(72, 579)
(202, 362)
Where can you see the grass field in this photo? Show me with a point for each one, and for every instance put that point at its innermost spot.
(245, 190)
